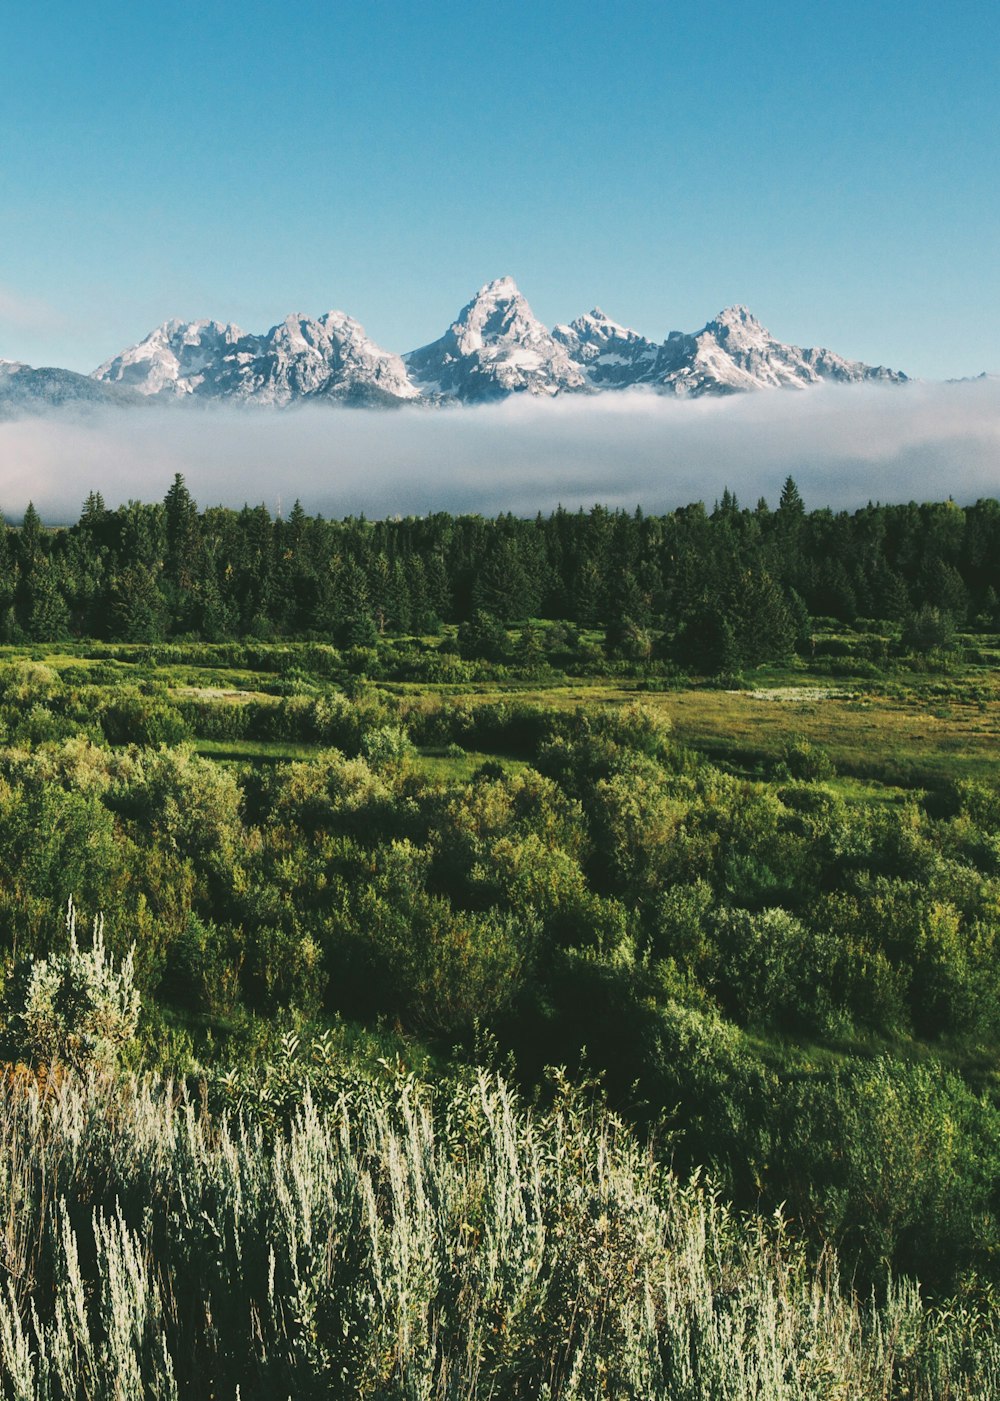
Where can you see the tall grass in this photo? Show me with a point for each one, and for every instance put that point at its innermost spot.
(398, 1244)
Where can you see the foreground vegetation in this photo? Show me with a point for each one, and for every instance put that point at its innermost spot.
(735, 867)
(390, 1242)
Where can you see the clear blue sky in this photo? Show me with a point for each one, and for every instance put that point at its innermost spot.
(834, 166)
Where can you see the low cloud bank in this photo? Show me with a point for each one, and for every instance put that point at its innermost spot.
(844, 446)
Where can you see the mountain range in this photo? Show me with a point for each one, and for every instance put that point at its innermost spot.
(495, 348)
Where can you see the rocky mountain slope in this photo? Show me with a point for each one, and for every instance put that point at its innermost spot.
(24, 390)
(734, 352)
(301, 358)
(495, 347)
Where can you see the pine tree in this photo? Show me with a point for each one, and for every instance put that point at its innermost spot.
(354, 623)
(137, 608)
(503, 586)
(801, 621)
(791, 507)
(46, 613)
(529, 653)
(483, 637)
(183, 532)
(893, 597)
(398, 611)
(764, 628)
(989, 614)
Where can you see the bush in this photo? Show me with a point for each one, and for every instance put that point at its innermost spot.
(483, 637)
(807, 762)
(396, 1245)
(385, 744)
(928, 630)
(144, 720)
(73, 1008)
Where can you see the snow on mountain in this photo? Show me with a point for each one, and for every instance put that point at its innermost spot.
(173, 359)
(734, 353)
(496, 347)
(301, 358)
(611, 356)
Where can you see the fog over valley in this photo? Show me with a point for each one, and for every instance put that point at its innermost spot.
(844, 445)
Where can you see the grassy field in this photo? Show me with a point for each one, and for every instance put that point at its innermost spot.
(901, 730)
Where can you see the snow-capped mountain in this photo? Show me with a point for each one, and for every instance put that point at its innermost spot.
(301, 358)
(496, 347)
(734, 353)
(173, 359)
(611, 356)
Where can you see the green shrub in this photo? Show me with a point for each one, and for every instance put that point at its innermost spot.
(807, 762)
(329, 1235)
(928, 630)
(73, 1008)
(148, 721)
(385, 744)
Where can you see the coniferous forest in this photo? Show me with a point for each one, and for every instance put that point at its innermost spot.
(451, 957)
(730, 585)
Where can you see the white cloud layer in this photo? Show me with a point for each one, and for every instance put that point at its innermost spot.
(844, 446)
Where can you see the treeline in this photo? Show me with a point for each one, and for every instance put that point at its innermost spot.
(710, 589)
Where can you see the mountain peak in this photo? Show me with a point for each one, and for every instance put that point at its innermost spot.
(496, 346)
(300, 357)
(611, 356)
(598, 322)
(736, 312)
(741, 319)
(499, 287)
(734, 353)
(171, 357)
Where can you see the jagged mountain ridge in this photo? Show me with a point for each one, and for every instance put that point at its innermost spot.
(611, 356)
(495, 348)
(300, 358)
(734, 353)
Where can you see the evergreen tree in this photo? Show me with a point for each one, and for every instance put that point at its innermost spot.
(483, 637)
(529, 652)
(892, 598)
(46, 613)
(398, 610)
(503, 586)
(802, 629)
(183, 535)
(354, 624)
(791, 508)
(137, 608)
(761, 620)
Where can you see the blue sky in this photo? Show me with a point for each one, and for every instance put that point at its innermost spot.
(832, 166)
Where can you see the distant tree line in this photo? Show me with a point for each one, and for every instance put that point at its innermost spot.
(715, 589)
